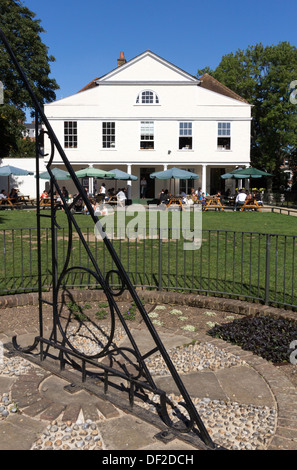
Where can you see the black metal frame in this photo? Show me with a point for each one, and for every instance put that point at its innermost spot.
(143, 379)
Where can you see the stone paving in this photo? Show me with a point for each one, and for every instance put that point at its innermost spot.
(44, 407)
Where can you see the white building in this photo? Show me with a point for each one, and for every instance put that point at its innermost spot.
(148, 115)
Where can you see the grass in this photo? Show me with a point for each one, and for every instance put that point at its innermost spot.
(242, 221)
(228, 262)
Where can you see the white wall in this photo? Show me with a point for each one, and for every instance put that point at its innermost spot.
(25, 184)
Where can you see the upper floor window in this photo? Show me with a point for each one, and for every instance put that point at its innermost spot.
(70, 134)
(108, 135)
(224, 136)
(185, 136)
(147, 97)
(147, 135)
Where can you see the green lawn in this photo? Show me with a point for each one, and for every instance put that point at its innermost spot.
(211, 220)
(231, 260)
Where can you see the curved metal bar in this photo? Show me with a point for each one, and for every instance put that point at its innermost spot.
(122, 288)
(121, 350)
(27, 349)
(111, 335)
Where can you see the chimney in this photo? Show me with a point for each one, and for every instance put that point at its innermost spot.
(121, 60)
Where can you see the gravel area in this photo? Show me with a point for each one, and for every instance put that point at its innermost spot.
(83, 435)
(193, 358)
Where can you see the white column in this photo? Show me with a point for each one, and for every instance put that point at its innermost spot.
(165, 167)
(203, 183)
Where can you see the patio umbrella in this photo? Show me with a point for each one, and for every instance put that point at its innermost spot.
(9, 170)
(251, 173)
(92, 172)
(121, 175)
(58, 174)
(233, 175)
(174, 173)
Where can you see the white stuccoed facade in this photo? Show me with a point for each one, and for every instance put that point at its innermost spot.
(177, 97)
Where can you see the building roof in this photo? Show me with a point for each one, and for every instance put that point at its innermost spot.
(210, 83)
(90, 85)
(206, 81)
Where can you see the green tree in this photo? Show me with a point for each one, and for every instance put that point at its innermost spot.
(23, 32)
(262, 75)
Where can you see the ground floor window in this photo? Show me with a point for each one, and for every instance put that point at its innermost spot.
(186, 185)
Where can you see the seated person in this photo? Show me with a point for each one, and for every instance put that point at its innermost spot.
(258, 198)
(164, 197)
(3, 194)
(240, 199)
(13, 196)
(202, 199)
(194, 195)
(44, 195)
(121, 197)
(183, 197)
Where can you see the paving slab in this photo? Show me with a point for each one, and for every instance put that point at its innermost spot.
(244, 385)
(198, 384)
(19, 432)
(130, 433)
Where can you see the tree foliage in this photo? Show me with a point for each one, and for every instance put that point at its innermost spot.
(23, 32)
(262, 75)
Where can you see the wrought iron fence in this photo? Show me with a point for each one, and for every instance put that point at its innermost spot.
(252, 266)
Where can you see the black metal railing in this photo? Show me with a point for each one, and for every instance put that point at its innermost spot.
(253, 266)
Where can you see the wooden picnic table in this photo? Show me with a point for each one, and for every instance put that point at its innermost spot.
(250, 204)
(112, 200)
(10, 203)
(213, 201)
(26, 200)
(46, 202)
(175, 201)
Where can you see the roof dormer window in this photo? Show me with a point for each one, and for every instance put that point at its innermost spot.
(147, 97)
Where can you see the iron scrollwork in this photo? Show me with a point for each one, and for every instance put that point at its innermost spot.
(140, 378)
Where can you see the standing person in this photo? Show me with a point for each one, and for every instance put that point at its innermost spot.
(143, 187)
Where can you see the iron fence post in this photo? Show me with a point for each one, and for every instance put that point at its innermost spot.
(160, 287)
(267, 269)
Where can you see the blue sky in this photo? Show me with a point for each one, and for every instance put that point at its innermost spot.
(86, 37)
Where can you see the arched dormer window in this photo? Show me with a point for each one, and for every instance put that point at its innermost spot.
(147, 97)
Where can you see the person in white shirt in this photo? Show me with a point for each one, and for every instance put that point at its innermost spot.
(3, 195)
(121, 196)
(240, 199)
